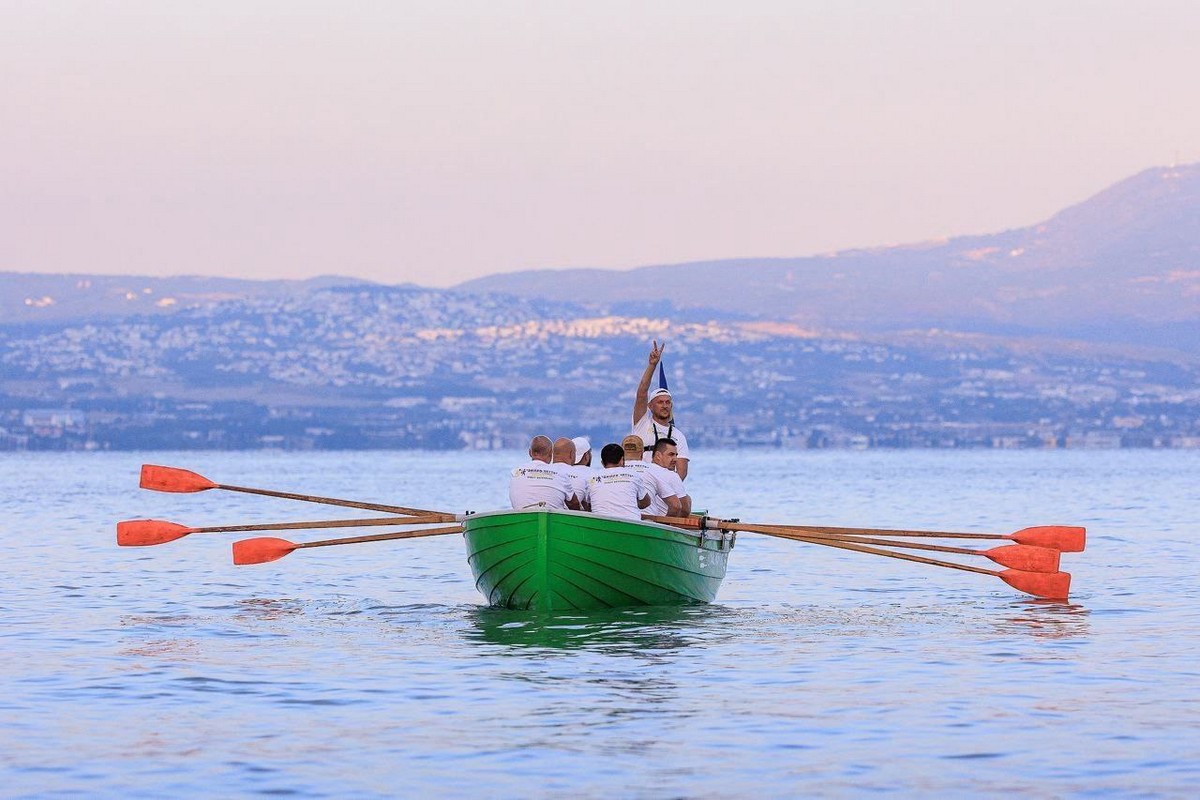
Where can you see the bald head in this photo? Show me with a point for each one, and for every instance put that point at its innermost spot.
(564, 451)
(540, 448)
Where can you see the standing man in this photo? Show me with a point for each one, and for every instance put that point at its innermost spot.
(654, 412)
(537, 483)
(617, 491)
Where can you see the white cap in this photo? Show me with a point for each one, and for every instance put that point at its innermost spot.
(659, 392)
(582, 445)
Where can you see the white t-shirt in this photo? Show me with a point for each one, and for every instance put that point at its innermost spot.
(651, 431)
(538, 482)
(662, 482)
(578, 473)
(615, 491)
(640, 468)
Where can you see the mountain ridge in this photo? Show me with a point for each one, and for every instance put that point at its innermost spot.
(1122, 266)
(1126, 260)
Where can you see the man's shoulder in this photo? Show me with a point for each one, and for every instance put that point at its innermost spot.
(536, 468)
(668, 475)
(622, 471)
(665, 478)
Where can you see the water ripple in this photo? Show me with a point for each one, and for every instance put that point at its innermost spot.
(374, 671)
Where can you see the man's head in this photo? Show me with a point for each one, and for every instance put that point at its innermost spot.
(564, 451)
(612, 455)
(583, 451)
(665, 453)
(660, 405)
(633, 447)
(540, 448)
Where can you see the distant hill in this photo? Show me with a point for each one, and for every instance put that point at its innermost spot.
(1122, 266)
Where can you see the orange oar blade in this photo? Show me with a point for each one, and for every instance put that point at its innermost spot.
(143, 532)
(1024, 557)
(1051, 586)
(1066, 538)
(173, 479)
(261, 550)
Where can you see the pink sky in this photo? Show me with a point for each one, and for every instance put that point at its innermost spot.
(439, 141)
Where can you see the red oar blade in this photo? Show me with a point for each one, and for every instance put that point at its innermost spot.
(1051, 586)
(1024, 557)
(261, 550)
(173, 479)
(144, 532)
(1065, 538)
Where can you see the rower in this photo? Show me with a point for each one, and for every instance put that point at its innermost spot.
(676, 502)
(564, 461)
(583, 451)
(634, 449)
(617, 491)
(537, 483)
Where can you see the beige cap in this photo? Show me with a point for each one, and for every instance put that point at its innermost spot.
(633, 446)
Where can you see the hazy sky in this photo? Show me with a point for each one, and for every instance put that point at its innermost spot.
(438, 141)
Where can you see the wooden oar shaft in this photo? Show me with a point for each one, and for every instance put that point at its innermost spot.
(383, 537)
(427, 519)
(884, 532)
(935, 548)
(843, 544)
(811, 532)
(887, 532)
(828, 540)
(329, 501)
(694, 522)
(789, 531)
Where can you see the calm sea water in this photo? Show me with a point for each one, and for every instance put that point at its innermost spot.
(374, 670)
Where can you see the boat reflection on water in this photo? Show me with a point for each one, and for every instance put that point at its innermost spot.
(641, 629)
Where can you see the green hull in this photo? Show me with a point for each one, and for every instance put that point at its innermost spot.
(564, 560)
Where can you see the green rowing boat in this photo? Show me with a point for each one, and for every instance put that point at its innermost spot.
(566, 560)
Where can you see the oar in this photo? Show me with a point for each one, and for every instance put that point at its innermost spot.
(144, 532)
(174, 479)
(1064, 538)
(1015, 556)
(1051, 586)
(268, 548)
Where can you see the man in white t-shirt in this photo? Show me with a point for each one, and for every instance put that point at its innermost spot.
(616, 491)
(564, 461)
(654, 413)
(537, 483)
(583, 451)
(668, 497)
(633, 449)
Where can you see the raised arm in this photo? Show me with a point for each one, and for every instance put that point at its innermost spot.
(639, 397)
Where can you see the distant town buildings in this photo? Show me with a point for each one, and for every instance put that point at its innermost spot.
(385, 367)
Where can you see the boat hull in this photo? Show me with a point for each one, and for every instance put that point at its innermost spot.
(566, 560)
